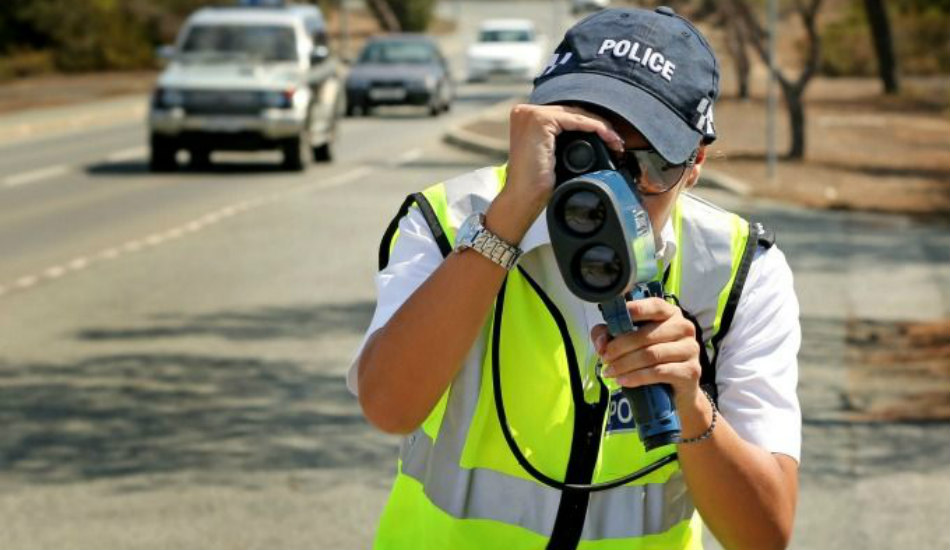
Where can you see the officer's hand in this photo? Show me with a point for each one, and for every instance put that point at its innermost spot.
(531, 163)
(663, 350)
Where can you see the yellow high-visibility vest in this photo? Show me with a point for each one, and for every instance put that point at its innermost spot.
(458, 484)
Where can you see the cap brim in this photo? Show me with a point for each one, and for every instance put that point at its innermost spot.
(669, 134)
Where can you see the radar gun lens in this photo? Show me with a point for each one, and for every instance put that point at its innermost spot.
(600, 267)
(584, 213)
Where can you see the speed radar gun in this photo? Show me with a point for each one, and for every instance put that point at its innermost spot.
(604, 246)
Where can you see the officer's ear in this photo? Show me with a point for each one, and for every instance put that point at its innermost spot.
(701, 155)
(697, 168)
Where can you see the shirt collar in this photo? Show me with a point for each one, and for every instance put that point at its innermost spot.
(537, 235)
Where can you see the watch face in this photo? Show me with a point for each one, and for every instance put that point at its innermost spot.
(467, 231)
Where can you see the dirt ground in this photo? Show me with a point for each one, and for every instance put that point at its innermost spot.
(898, 371)
(53, 90)
(864, 151)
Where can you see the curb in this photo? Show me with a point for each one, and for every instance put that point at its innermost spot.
(724, 182)
(459, 136)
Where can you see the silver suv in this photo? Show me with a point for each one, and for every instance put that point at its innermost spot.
(247, 78)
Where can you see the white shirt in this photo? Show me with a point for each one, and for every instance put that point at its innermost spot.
(757, 369)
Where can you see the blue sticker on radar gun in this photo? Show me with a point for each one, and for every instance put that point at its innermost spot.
(620, 414)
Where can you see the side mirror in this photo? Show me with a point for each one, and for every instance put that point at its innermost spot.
(165, 53)
(319, 54)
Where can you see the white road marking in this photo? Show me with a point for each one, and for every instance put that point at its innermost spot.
(409, 156)
(34, 176)
(346, 177)
(153, 240)
(54, 272)
(26, 282)
(78, 263)
(127, 154)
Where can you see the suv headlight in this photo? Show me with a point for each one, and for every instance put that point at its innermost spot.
(278, 100)
(169, 98)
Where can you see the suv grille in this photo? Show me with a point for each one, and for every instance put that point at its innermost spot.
(222, 102)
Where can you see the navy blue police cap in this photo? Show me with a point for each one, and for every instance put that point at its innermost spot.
(652, 68)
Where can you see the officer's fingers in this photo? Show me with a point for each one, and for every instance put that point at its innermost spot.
(579, 120)
(650, 356)
(674, 374)
(648, 334)
(651, 309)
(600, 336)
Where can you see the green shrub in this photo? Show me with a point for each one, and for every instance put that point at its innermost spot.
(26, 63)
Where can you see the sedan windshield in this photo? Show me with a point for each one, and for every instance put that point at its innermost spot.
(390, 53)
(510, 35)
(265, 43)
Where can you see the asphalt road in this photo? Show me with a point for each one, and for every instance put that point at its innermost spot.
(172, 347)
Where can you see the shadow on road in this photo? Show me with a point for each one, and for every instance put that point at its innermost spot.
(849, 449)
(213, 414)
(821, 241)
(140, 168)
(275, 322)
(123, 415)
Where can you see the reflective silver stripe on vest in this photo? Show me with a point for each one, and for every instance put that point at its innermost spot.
(706, 255)
(480, 493)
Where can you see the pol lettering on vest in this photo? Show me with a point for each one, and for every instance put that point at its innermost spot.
(634, 51)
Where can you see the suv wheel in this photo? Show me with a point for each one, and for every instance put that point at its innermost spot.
(162, 157)
(297, 152)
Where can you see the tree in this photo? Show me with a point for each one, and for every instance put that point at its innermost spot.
(880, 26)
(736, 44)
(384, 15)
(403, 15)
(792, 90)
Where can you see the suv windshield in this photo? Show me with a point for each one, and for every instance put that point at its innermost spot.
(267, 43)
(398, 52)
(511, 35)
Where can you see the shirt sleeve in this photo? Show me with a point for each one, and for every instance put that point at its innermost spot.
(415, 255)
(757, 371)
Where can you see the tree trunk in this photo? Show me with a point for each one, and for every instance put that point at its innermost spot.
(736, 43)
(384, 14)
(791, 90)
(883, 44)
(796, 119)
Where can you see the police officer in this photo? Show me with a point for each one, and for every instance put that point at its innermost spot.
(506, 386)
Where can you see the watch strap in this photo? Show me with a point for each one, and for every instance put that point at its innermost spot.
(495, 249)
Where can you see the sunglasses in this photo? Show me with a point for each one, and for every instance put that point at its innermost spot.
(653, 173)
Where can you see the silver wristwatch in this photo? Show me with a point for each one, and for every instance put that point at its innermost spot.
(472, 234)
